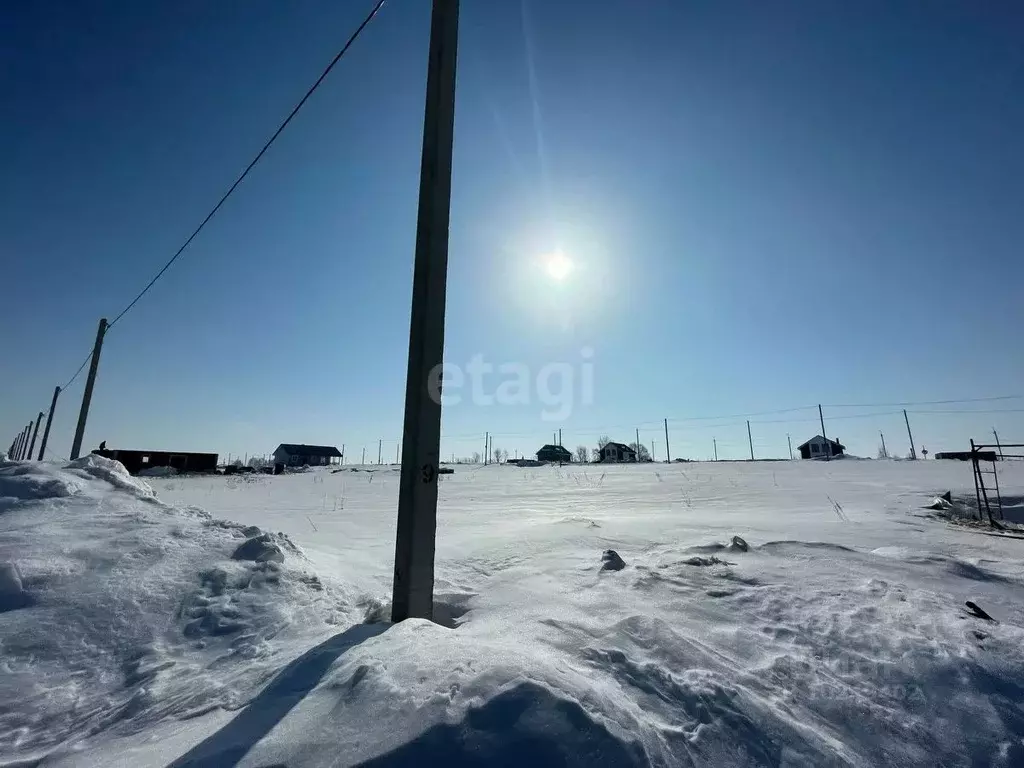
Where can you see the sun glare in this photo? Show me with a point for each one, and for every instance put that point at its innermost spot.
(558, 266)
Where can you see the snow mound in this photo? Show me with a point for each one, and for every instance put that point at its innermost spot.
(24, 481)
(112, 471)
(131, 613)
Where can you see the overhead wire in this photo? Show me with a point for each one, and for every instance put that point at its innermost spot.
(259, 156)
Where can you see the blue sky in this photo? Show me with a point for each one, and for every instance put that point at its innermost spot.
(765, 206)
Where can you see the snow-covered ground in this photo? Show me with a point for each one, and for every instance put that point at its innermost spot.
(837, 636)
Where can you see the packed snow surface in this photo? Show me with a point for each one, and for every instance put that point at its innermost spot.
(783, 613)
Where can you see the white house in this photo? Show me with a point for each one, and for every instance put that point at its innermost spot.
(820, 448)
(617, 452)
(298, 455)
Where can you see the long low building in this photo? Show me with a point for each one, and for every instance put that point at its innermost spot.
(183, 461)
(299, 455)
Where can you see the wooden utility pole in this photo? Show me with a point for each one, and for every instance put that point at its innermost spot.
(828, 445)
(885, 452)
(35, 433)
(750, 440)
(413, 594)
(83, 413)
(913, 451)
(668, 453)
(998, 446)
(789, 440)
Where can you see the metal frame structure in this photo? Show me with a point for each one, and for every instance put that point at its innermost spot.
(983, 453)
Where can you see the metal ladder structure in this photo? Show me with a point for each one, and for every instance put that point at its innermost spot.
(987, 491)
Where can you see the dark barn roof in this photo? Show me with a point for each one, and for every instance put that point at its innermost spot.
(835, 443)
(556, 449)
(300, 449)
(620, 446)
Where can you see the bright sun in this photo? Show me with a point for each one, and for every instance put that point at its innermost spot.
(558, 266)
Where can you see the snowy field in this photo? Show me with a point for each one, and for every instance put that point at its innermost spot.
(838, 635)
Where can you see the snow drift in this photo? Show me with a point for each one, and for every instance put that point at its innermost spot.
(787, 615)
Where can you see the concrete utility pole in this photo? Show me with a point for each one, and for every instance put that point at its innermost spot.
(487, 444)
(1000, 447)
(828, 445)
(559, 436)
(398, 453)
(652, 450)
(413, 594)
(638, 444)
(750, 440)
(714, 441)
(789, 440)
(83, 413)
(380, 447)
(363, 462)
(668, 453)
(885, 451)
(343, 454)
(35, 433)
(913, 451)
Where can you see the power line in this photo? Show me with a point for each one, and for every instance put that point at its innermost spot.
(80, 369)
(255, 160)
(925, 402)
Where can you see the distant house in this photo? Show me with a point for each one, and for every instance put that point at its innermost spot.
(617, 452)
(554, 453)
(297, 455)
(820, 448)
(183, 461)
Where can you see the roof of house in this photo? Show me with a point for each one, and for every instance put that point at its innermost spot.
(836, 443)
(620, 446)
(556, 448)
(300, 449)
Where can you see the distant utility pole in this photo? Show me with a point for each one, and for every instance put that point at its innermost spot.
(885, 452)
(415, 540)
(913, 451)
(487, 442)
(750, 440)
(652, 450)
(790, 441)
(343, 454)
(398, 453)
(828, 445)
(16, 454)
(83, 414)
(638, 444)
(380, 448)
(1000, 447)
(26, 450)
(714, 441)
(668, 453)
(35, 433)
(559, 436)
(363, 462)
